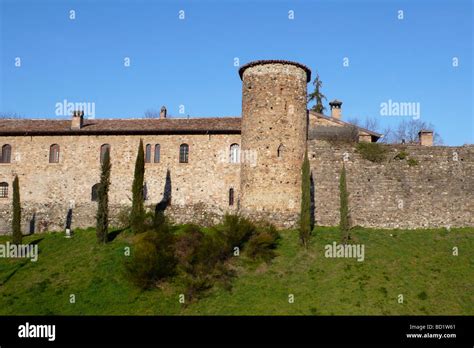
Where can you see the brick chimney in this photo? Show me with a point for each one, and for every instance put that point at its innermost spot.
(163, 112)
(336, 109)
(426, 137)
(77, 119)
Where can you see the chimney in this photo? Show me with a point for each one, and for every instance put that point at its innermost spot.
(426, 137)
(163, 112)
(336, 108)
(77, 119)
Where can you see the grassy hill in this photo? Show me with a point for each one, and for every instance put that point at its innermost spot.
(418, 264)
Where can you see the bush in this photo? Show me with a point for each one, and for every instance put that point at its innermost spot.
(123, 217)
(412, 162)
(152, 258)
(401, 155)
(262, 245)
(235, 231)
(373, 152)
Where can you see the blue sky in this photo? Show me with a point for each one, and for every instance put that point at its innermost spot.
(190, 62)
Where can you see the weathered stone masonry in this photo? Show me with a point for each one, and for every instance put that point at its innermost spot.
(272, 135)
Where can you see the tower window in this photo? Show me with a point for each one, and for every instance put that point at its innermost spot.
(6, 154)
(231, 197)
(103, 150)
(234, 153)
(3, 190)
(157, 153)
(183, 153)
(148, 153)
(95, 193)
(54, 153)
(280, 150)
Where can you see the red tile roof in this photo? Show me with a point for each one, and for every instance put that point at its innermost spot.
(230, 125)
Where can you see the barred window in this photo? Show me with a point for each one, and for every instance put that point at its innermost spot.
(183, 153)
(6, 154)
(3, 190)
(157, 153)
(54, 153)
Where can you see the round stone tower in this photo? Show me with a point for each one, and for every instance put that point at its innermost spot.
(274, 132)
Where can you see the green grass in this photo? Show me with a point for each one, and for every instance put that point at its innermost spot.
(418, 264)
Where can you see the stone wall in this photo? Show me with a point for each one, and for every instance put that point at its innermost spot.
(436, 192)
(49, 190)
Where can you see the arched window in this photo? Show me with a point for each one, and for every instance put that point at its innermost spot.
(147, 153)
(234, 153)
(103, 149)
(3, 190)
(157, 153)
(95, 193)
(6, 154)
(183, 153)
(54, 153)
(280, 150)
(231, 196)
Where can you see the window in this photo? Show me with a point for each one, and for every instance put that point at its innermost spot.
(103, 150)
(145, 192)
(147, 153)
(234, 153)
(3, 190)
(183, 153)
(280, 150)
(6, 154)
(54, 153)
(231, 197)
(157, 153)
(95, 193)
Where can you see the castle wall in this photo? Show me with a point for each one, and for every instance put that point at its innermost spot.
(437, 192)
(273, 115)
(199, 189)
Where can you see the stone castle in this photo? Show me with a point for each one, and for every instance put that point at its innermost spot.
(198, 169)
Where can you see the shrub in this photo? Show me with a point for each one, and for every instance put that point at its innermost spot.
(401, 155)
(16, 220)
(344, 206)
(152, 258)
(235, 231)
(412, 162)
(305, 213)
(373, 152)
(262, 244)
(123, 217)
(137, 215)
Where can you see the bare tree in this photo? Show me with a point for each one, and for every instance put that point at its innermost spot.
(152, 113)
(10, 115)
(407, 132)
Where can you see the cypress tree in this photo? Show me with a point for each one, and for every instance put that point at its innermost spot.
(305, 215)
(137, 216)
(16, 220)
(344, 206)
(102, 216)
